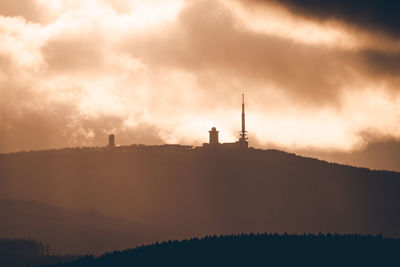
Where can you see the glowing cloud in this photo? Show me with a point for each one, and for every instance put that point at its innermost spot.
(74, 71)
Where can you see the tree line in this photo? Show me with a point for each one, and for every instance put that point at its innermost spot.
(257, 250)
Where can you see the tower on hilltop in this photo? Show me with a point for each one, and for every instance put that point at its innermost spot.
(243, 133)
(213, 136)
(111, 140)
(240, 144)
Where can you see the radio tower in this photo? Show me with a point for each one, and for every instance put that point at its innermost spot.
(243, 133)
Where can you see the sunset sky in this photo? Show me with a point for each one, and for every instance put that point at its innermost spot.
(320, 77)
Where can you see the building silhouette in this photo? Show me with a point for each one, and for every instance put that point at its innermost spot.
(213, 136)
(111, 140)
(241, 143)
(213, 143)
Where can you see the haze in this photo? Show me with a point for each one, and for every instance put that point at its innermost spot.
(317, 80)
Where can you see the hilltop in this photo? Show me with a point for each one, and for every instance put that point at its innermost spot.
(184, 192)
(256, 250)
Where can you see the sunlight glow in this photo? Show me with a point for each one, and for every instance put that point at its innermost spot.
(272, 19)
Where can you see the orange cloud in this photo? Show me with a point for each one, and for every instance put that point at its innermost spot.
(76, 71)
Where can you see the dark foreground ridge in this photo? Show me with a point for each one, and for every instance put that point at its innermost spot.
(257, 250)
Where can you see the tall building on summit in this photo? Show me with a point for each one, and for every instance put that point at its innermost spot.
(111, 140)
(243, 133)
(213, 136)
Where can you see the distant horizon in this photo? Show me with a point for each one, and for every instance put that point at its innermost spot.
(363, 158)
(335, 159)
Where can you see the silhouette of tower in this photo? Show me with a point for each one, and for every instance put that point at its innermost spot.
(111, 140)
(243, 133)
(213, 136)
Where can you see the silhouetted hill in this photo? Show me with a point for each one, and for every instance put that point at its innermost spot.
(68, 231)
(183, 192)
(257, 250)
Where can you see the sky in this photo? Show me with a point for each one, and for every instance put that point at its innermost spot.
(321, 78)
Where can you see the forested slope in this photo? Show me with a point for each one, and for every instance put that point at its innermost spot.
(257, 250)
(184, 192)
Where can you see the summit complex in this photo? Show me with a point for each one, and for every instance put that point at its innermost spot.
(213, 143)
(241, 143)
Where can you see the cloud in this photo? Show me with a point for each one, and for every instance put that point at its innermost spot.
(27, 9)
(384, 63)
(212, 46)
(173, 69)
(368, 14)
(60, 127)
(74, 52)
(378, 153)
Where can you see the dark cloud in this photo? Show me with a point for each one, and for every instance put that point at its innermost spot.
(206, 40)
(381, 15)
(387, 63)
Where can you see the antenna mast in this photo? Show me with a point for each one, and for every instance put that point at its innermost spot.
(243, 134)
(243, 118)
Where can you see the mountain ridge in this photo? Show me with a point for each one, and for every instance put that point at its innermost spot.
(185, 192)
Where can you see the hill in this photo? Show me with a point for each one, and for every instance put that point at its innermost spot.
(185, 192)
(68, 231)
(257, 250)
(28, 252)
